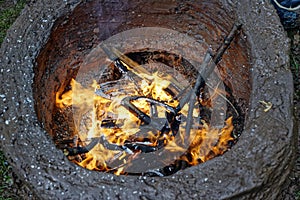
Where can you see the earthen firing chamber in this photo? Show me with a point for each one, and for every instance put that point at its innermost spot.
(49, 42)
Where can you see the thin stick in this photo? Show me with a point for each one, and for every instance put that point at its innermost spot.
(236, 27)
(80, 150)
(208, 68)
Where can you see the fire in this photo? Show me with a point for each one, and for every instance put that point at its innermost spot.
(117, 121)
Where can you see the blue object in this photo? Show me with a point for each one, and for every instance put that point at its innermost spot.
(291, 4)
(287, 11)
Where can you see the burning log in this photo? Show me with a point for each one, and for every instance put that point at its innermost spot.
(163, 129)
(81, 150)
(208, 67)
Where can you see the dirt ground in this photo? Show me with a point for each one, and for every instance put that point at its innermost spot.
(292, 190)
(13, 189)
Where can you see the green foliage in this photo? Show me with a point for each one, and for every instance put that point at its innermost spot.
(298, 195)
(5, 177)
(295, 68)
(294, 64)
(8, 16)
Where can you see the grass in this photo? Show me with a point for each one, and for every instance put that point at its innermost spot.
(8, 16)
(6, 180)
(298, 195)
(294, 64)
(295, 69)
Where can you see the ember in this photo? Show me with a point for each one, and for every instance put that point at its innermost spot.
(144, 115)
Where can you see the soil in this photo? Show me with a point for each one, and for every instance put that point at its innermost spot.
(292, 190)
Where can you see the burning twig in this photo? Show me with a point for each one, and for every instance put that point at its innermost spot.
(126, 102)
(126, 65)
(171, 123)
(132, 69)
(81, 150)
(165, 128)
(208, 67)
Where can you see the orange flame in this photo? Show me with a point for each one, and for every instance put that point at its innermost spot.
(92, 110)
